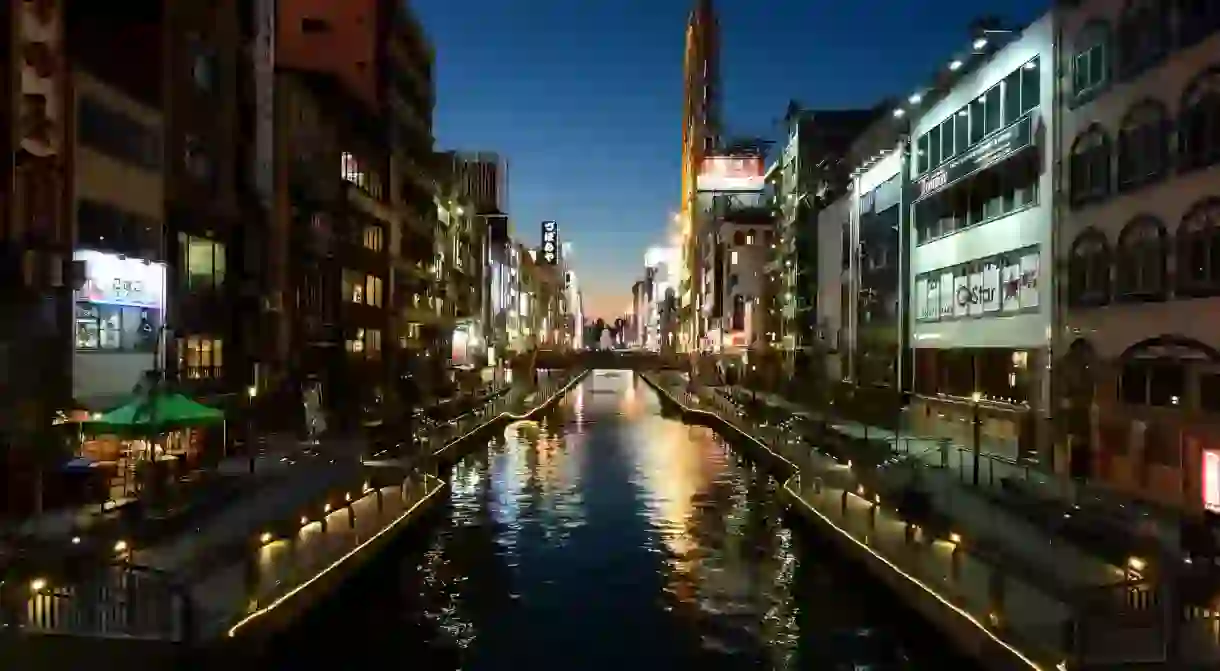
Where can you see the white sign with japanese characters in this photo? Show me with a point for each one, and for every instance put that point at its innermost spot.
(550, 242)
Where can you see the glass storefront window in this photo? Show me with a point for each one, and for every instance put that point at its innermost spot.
(101, 327)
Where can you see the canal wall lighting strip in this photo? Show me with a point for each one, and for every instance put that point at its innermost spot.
(335, 564)
(233, 631)
(965, 614)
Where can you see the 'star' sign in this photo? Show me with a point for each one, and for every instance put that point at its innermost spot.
(550, 243)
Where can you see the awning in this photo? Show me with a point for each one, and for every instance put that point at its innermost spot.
(150, 415)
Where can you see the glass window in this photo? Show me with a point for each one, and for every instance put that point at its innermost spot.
(114, 133)
(200, 356)
(993, 119)
(946, 140)
(116, 327)
(1090, 66)
(921, 154)
(934, 148)
(202, 261)
(1012, 97)
(374, 237)
(977, 112)
(961, 129)
(1031, 86)
(372, 289)
(353, 286)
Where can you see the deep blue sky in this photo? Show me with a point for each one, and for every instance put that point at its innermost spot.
(584, 97)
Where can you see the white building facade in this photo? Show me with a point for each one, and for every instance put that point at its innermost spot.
(980, 236)
(1140, 338)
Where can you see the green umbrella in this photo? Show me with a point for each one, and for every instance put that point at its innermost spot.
(161, 412)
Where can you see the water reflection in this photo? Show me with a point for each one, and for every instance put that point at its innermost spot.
(606, 536)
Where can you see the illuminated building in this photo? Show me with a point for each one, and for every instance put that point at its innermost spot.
(700, 128)
(1137, 369)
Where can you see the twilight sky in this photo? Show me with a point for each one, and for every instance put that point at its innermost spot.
(584, 98)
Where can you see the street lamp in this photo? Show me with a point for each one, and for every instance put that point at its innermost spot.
(251, 393)
(976, 425)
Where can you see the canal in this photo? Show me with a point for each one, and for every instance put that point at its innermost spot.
(608, 536)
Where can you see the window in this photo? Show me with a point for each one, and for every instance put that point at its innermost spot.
(116, 328)
(739, 313)
(201, 262)
(353, 286)
(311, 25)
(1089, 270)
(992, 286)
(356, 170)
(196, 160)
(1143, 35)
(1141, 261)
(733, 258)
(1090, 166)
(1090, 65)
(1199, 136)
(202, 62)
(1002, 105)
(1143, 144)
(1198, 262)
(1152, 381)
(739, 238)
(989, 195)
(103, 226)
(200, 357)
(113, 133)
(372, 291)
(374, 237)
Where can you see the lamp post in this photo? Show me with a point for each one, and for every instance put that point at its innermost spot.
(251, 394)
(976, 425)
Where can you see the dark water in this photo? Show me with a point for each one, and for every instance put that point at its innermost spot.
(609, 537)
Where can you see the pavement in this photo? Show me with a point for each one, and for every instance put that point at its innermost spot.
(1111, 520)
(212, 556)
(1046, 578)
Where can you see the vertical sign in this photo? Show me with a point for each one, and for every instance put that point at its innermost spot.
(550, 243)
(264, 101)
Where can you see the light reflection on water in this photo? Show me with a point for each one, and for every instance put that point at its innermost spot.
(607, 536)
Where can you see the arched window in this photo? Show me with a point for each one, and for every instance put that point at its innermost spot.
(1141, 259)
(1143, 144)
(1199, 135)
(1198, 262)
(739, 238)
(1154, 371)
(1198, 18)
(1143, 35)
(1091, 58)
(1089, 269)
(1090, 165)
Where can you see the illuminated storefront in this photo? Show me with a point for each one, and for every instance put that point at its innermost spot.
(118, 316)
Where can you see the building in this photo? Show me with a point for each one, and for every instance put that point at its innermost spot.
(981, 208)
(1139, 373)
(163, 214)
(809, 174)
(858, 331)
(36, 241)
(370, 88)
(700, 133)
(659, 322)
(639, 311)
(738, 260)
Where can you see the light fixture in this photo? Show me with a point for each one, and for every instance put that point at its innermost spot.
(956, 65)
(899, 113)
(915, 98)
(979, 43)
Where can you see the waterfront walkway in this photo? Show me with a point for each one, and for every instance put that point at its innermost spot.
(1043, 596)
(245, 559)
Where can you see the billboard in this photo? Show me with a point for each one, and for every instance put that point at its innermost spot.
(550, 243)
(731, 174)
(111, 279)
